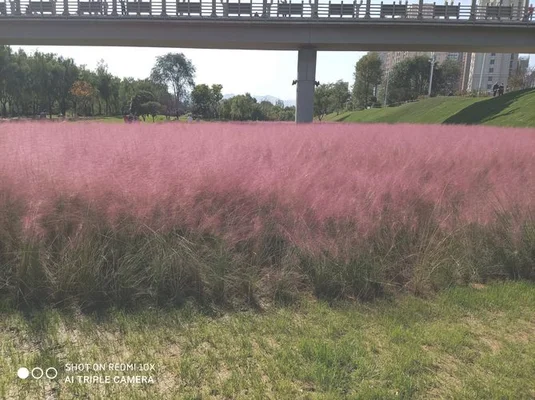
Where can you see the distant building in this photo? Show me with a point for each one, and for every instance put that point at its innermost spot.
(427, 10)
(523, 64)
(486, 69)
(482, 70)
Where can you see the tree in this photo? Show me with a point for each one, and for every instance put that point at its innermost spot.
(82, 93)
(20, 85)
(521, 78)
(7, 70)
(202, 99)
(48, 75)
(138, 100)
(368, 75)
(409, 79)
(241, 107)
(447, 77)
(68, 72)
(151, 108)
(224, 109)
(340, 96)
(217, 96)
(104, 84)
(90, 77)
(205, 100)
(323, 100)
(176, 70)
(127, 90)
(530, 77)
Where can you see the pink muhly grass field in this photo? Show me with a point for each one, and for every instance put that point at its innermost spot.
(231, 179)
(99, 214)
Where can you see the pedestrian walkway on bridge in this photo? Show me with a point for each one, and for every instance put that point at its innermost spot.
(346, 11)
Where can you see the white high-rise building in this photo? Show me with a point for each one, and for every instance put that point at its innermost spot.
(483, 70)
(486, 69)
(523, 63)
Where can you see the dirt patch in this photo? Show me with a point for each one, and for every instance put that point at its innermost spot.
(494, 345)
(478, 286)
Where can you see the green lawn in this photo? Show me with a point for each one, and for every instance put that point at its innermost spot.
(466, 343)
(512, 109)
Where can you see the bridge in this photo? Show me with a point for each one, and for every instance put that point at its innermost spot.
(267, 25)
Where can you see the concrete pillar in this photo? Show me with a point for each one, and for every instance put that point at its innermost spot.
(306, 79)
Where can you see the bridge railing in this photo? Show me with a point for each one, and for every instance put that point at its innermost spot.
(265, 9)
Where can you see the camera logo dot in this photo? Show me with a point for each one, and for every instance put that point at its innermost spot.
(37, 373)
(23, 373)
(51, 373)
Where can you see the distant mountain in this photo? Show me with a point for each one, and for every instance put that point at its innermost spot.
(271, 99)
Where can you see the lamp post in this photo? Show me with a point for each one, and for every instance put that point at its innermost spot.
(386, 86)
(431, 74)
(481, 74)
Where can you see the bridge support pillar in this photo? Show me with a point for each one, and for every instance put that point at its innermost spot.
(306, 79)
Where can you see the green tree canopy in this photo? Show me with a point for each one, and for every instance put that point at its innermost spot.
(176, 70)
(409, 79)
(340, 96)
(368, 75)
(140, 98)
(152, 108)
(447, 79)
(323, 100)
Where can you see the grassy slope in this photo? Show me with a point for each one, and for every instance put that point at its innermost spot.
(512, 109)
(467, 343)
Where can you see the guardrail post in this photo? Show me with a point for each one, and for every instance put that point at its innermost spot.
(65, 7)
(420, 7)
(368, 3)
(473, 9)
(164, 9)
